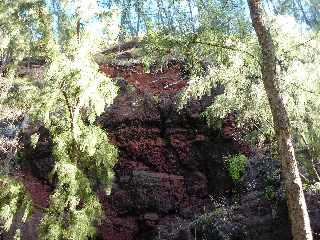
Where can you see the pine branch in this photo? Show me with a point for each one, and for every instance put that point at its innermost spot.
(69, 107)
(303, 89)
(228, 48)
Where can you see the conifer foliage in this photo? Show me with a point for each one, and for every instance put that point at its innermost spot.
(69, 98)
(72, 99)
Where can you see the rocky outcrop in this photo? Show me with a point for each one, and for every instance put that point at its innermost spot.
(170, 162)
(257, 210)
(171, 180)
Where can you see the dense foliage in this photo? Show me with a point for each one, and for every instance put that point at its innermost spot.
(212, 38)
(67, 100)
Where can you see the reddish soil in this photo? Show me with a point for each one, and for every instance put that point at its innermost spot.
(39, 191)
(168, 80)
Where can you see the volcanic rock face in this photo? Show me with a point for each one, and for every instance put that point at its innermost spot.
(171, 180)
(170, 162)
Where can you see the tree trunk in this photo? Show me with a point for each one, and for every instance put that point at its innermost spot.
(300, 222)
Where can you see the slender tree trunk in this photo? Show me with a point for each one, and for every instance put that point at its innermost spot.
(300, 223)
(78, 30)
(78, 17)
(191, 16)
(138, 11)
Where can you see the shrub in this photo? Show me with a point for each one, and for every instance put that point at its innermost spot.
(236, 166)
